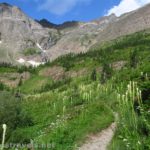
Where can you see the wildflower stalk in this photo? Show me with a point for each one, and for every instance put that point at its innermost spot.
(128, 116)
(3, 138)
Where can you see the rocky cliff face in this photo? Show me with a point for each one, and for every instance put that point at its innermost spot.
(19, 32)
(104, 29)
(126, 24)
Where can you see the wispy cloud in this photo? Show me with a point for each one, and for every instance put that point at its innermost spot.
(127, 6)
(60, 7)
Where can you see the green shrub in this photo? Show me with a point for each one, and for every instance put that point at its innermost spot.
(2, 86)
(31, 51)
(106, 72)
(11, 113)
(145, 88)
(22, 69)
(55, 85)
(133, 59)
(93, 75)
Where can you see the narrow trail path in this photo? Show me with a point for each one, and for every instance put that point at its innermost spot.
(101, 140)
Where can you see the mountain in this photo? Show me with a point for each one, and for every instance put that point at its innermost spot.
(27, 40)
(101, 30)
(97, 100)
(77, 97)
(69, 24)
(19, 32)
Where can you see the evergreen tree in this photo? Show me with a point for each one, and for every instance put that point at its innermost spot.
(93, 75)
(133, 59)
(106, 72)
(1, 86)
(20, 81)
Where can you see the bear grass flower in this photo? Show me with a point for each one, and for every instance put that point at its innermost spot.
(4, 134)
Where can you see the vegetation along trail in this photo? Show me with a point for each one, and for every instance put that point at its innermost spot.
(101, 140)
(52, 104)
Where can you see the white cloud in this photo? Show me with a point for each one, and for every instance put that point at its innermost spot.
(127, 6)
(61, 7)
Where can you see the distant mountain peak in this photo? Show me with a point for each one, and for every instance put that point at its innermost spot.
(19, 32)
(5, 4)
(68, 24)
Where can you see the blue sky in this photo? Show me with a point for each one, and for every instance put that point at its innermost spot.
(58, 11)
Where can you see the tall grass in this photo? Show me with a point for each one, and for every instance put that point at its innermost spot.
(132, 121)
(66, 117)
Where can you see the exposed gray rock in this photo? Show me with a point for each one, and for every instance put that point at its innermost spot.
(18, 32)
(104, 29)
(126, 24)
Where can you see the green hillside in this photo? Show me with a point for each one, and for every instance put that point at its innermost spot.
(62, 102)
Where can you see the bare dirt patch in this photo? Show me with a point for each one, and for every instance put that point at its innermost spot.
(101, 140)
(78, 73)
(118, 65)
(58, 72)
(12, 79)
(55, 72)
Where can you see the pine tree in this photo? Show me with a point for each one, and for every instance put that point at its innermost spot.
(106, 72)
(20, 81)
(94, 75)
(1, 86)
(133, 59)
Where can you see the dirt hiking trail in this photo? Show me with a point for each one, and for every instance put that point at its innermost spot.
(101, 140)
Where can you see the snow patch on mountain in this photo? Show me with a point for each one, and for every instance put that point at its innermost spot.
(31, 62)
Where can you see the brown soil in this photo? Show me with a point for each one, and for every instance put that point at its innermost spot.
(101, 140)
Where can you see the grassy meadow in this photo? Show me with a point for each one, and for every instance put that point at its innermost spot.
(81, 97)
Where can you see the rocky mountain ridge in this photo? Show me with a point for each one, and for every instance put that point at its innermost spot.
(18, 33)
(69, 24)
